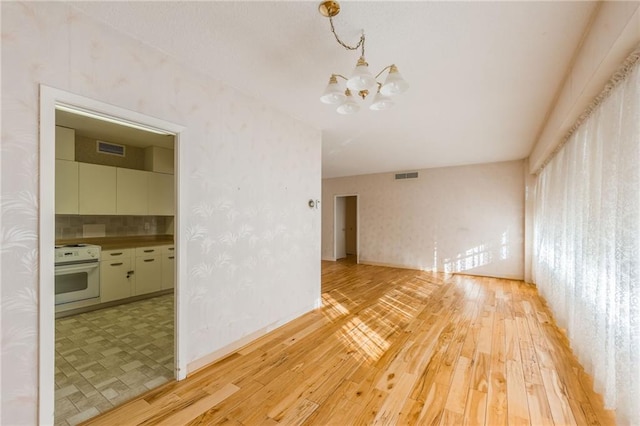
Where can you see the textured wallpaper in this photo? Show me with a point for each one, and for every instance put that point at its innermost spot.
(467, 219)
(253, 243)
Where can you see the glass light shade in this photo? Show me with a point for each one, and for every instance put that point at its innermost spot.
(361, 78)
(381, 102)
(349, 107)
(394, 84)
(333, 94)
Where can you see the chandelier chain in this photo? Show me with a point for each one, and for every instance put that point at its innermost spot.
(343, 44)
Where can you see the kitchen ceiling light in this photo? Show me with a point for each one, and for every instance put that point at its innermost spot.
(361, 80)
(98, 116)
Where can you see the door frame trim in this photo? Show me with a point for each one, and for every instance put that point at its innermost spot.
(335, 230)
(49, 97)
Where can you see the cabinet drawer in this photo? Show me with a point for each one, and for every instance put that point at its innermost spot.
(116, 254)
(148, 251)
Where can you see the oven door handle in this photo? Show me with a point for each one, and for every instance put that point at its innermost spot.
(66, 269)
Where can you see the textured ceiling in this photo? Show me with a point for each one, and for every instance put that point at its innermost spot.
(483, 75)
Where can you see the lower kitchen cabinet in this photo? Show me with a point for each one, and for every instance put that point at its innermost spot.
(168, 269)
(148, 274)
(136, 271)
(116, 279)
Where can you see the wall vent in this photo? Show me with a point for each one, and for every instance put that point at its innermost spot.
(409, 175)
(110, 148)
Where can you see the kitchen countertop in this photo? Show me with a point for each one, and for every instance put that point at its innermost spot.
(111, 243)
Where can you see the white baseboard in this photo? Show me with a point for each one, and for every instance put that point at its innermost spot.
(388, 265)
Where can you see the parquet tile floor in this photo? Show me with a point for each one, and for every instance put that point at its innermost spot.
(109, 356)
(391, 347)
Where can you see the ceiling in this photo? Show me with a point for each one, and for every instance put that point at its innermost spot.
(482, 75)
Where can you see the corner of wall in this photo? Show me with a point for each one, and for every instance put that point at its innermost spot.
(529, 206)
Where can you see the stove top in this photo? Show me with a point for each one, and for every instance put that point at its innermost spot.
(75, 245)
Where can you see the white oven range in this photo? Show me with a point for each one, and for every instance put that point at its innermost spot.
(77, 276)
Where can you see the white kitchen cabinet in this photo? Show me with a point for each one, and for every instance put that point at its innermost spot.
(148, 274)
(66, 187)
(117, 279)
(132, 189)
(161, 194)
(97, 189)
(148, 269)
(135, 271)
(168, 267)
(84, 188)
(158, 159)
(65, 143)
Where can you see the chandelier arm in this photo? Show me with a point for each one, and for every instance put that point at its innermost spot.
(341, 76)
(383, 70)
(343, 44)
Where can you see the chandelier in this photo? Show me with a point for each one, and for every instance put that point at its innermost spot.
(361, 82)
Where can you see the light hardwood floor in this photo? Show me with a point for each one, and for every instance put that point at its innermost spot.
(392, 346)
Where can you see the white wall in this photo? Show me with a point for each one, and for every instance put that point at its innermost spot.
(465, 219)
(252, 242)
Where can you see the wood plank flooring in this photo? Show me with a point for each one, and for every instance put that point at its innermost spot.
(391, 347)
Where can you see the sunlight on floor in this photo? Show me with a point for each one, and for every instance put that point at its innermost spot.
(360, 337)
(332, 308)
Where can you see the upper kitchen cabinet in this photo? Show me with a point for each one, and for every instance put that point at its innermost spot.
(132, 189)
(161, 194)
(97, 189)
(158, 159)
(66, 187)
(65, 143)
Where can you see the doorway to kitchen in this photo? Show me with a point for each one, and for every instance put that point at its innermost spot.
(97, 352)
(346, 233)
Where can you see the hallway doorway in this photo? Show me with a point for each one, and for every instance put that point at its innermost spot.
(346, 235)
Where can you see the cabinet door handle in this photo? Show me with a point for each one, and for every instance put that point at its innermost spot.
(149, 251)
(116, 264)
(149, 260)
(172, 257)
(171, 248)
(129, 273)
(115, 254)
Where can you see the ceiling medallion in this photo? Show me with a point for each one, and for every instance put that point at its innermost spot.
(361, 81)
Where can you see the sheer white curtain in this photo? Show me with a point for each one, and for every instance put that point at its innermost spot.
(586, 260)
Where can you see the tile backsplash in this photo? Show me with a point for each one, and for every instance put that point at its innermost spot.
(71, 226)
